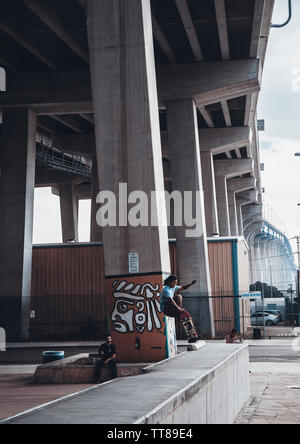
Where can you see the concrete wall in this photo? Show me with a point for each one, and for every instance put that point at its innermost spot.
(215, 398)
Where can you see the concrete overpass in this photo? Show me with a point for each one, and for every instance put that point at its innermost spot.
(271, 258)
(158, 95)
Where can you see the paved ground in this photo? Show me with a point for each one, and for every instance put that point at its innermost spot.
(17, 394)
(275, 383)
(275, 395)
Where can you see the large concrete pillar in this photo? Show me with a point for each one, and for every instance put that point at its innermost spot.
(128, 151)
(210, 197)
(234, 186)
(183, 141)
(239, 212)
(17, 178)
(226, 169)
(232, 214)
(223, 205)
(215, 141)
(69, 212)
(96, 230)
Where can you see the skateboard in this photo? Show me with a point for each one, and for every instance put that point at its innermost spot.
(188, 326)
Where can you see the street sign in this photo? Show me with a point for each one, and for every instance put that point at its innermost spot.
(252, 296)
(134, 266)
(261, 125)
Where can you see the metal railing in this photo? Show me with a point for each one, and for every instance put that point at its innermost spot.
(51, 158)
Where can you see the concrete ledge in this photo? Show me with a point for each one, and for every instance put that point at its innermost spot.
(209, 386)
(196, 346)
(216, 397)
(70, 371)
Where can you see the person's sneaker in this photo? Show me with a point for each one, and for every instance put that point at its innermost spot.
(192, 339)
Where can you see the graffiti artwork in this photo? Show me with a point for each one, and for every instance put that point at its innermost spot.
(140, 331)
(136, 307)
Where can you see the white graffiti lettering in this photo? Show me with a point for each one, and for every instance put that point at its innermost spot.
(136, 307)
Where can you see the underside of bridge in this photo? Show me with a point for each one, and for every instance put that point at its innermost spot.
(160, 95)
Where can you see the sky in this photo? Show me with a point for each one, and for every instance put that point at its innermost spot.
(279, 106)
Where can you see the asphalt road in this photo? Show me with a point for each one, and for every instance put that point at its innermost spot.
(287, 352)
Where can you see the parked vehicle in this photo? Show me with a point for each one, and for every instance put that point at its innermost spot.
(264, 318)
(275, 313)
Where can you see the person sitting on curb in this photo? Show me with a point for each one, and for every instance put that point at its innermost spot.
(171, 305)
(107, 355)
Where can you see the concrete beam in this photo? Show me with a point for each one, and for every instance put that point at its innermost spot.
(208, 83)
(49, 89)
(247, 197)
(190, 30)
(206, 116)
(222, 28)
(21, 40)
(69, 123)
(265, 30)
(48, 178)
(226, 113)
(88, 117)
(162, 41)
(51, 19)
(241, 184)
(231, 168)
(219, 140)
(256, 27)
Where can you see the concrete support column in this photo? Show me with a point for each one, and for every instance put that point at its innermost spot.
(69, 212)
(209, 187)
(223, 206)
(232, 214)
(128, 149)
(239, 214)
(257, 272)
(227, 169)
(186, 175)
(261, 263)
(17, 178)
(96, 231)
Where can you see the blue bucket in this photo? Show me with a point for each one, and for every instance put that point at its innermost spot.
(52, 356)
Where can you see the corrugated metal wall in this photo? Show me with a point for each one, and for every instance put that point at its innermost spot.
(68, 295)
(221, 270)
(68, 291)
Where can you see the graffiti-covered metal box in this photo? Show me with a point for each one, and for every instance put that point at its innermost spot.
(140, 331)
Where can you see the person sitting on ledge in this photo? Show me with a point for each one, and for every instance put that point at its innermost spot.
(171, 305)
(233, 337)
(107, 354)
